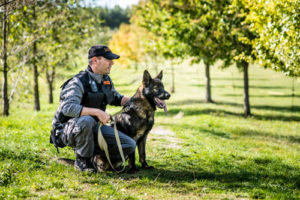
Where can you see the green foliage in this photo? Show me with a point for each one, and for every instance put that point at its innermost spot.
(70, 28)
(200, 29)
(277, 24)
(133, 44)
(161, 22)
(114, 17)
(233, 31)
(6, 175)
(62, 30)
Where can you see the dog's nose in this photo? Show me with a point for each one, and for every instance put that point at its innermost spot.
(167, 95)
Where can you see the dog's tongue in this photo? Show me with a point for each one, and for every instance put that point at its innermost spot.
(161, 104)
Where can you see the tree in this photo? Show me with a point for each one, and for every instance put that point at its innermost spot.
(68, 27)
(236, 35)
(209, 30)
(189, 28)
(8, 7)
(64, 27)
(132, 44)
(265, 32)
(5, 105)
(159, 21)
(277, 24)
(114, 17)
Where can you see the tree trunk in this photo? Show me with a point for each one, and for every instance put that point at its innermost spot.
(50, 92)
(5, 104)
(293, 94)
(247, 111)
(50, 79)
(135, 66)
(173, 80)
(208, 98)
(35, 70)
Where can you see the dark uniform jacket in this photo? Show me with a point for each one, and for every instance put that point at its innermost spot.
(85, 89)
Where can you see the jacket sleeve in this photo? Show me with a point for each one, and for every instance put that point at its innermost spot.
(71, 97)
(117, 96)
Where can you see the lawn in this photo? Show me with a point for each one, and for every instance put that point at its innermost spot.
(199, 150)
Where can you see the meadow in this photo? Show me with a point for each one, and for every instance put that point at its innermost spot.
(199, 150)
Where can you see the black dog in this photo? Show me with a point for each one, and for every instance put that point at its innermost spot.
(137, 117)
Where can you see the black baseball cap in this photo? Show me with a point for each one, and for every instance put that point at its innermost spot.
(101, 50)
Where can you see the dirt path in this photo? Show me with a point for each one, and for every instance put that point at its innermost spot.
(164, 137)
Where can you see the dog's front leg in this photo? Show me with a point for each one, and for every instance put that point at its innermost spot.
(142, 152)
(131, 163)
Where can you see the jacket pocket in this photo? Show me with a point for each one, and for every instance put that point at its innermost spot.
(94, 100)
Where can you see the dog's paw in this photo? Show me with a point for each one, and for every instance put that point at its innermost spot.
(100, 164)
(146, 166)
(132, 170)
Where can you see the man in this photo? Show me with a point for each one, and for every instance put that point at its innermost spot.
(83, 102)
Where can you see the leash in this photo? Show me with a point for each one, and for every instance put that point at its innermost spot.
(103, 145)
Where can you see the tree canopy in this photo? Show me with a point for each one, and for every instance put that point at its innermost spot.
(114, 17)
(278, 26)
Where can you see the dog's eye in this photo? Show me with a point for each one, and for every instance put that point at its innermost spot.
(155, 87)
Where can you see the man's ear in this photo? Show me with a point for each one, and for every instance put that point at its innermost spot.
(147, 77)
(160, 75)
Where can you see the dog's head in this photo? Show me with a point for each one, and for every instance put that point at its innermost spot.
(153, 90)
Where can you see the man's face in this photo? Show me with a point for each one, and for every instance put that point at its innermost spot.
(101, 65)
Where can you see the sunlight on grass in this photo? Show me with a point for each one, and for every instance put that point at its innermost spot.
(221, 154)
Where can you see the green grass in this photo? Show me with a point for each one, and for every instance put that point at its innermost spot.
(217, 153)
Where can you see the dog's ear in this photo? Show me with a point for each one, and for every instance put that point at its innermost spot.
(160, 75)
(147, 77)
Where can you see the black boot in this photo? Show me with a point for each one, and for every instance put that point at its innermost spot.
(84, 164)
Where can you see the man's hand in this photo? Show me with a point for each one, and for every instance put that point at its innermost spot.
(100, 114)
(124, 100)
(103, 117)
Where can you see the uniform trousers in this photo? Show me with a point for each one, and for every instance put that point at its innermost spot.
(81, 134)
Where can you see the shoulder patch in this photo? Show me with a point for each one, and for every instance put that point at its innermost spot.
(106, 82)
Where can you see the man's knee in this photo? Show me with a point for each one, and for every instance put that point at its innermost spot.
(85, 126)
(86, 122)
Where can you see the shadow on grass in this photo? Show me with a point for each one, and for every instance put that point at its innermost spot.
(265, 96)
(229, 175)
(259, 107)
(242, 87)
(263, 107)
(248, 132)
(222, 112)
(263, 87)
(236, 79)
(241, 132)
(186, 102)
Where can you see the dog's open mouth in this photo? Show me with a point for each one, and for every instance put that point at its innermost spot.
(160, 103)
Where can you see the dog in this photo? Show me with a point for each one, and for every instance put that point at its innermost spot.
(137, 116)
